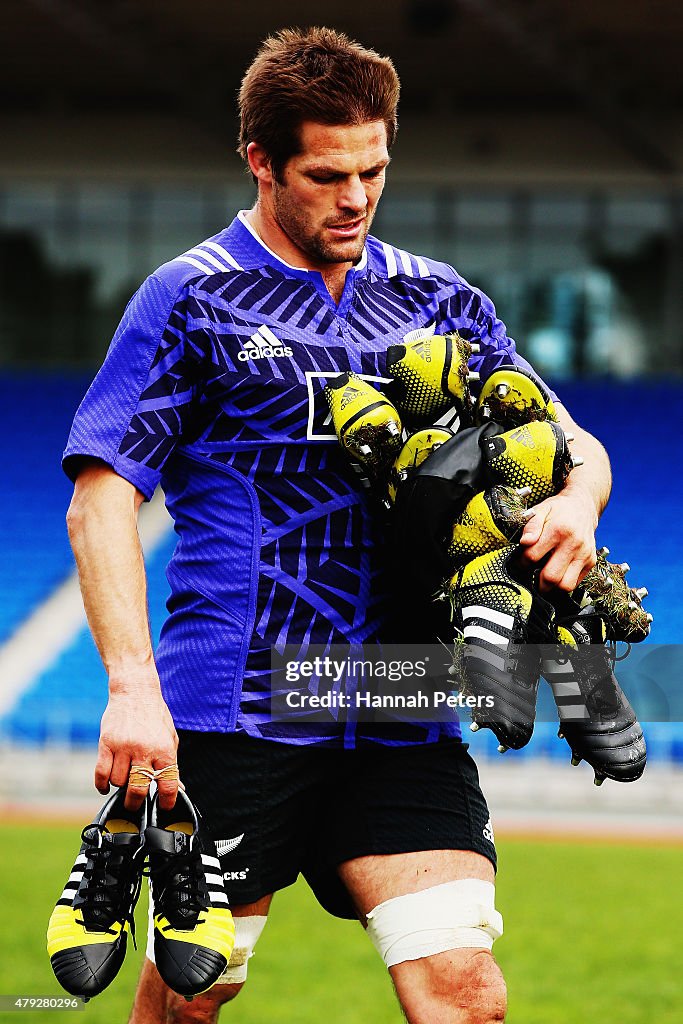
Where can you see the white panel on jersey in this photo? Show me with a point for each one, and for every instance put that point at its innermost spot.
(392, 269)
(405, 262)
(208, 257)
(222, 252)
(195, 263)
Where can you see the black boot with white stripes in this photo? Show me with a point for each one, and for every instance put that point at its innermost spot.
(193, 928)
(596, 718)
(501, 620)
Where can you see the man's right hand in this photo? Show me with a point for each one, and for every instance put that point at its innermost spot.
(137, 730)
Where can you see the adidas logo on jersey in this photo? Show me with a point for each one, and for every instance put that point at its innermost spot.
(264, 345)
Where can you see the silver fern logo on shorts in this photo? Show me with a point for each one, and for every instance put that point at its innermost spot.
(224, 846)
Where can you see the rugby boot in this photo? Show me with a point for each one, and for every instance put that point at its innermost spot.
(490, 520)
(502, 620)
(620, 605)
(414, 452)
(535, 455)
(365, 421)
(88, 929)
(193, 928)
(430, 375)
(513, 396)
(596, 718)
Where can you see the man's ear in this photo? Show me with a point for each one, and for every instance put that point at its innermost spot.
(259, 163)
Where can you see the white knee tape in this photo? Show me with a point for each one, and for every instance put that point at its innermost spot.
(453, 915)
(247, 932)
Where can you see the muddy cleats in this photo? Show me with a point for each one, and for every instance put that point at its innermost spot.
(491, 520)
(511, 395)
(621, 606)
(430, 376)
(366, 423)
(414, 452)
(535, 455)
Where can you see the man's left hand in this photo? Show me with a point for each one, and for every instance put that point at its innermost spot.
(561, 532)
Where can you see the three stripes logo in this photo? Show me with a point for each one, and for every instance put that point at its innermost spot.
(264, 345)
(423, 349)
(348, 395)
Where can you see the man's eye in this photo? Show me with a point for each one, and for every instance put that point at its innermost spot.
(322, 179)
(372, 174)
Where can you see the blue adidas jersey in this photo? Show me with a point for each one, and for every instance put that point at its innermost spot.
(213, 387)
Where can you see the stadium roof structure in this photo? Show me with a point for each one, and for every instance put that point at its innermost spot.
(617, 61)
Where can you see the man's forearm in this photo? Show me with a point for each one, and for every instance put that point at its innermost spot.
(102, 522)
(137, 728)
(594, 477)
(560, 533)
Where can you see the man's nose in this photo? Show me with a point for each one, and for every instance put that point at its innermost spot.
(352, 195)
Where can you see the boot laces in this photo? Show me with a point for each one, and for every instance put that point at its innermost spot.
(108, 893)
(179, 887)
(596, 657)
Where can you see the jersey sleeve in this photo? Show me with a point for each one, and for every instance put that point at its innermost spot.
(140, 403)
(477, 321)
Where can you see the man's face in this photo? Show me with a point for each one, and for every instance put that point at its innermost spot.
(328, 194)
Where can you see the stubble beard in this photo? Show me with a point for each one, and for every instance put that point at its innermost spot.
(293, 221)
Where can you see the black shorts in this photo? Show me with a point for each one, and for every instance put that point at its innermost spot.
(276, 810)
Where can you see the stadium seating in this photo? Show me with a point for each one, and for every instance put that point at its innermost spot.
(35, 414)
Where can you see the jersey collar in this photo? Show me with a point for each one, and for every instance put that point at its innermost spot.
(263, 256)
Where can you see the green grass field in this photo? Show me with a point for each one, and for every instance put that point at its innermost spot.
(593, 935)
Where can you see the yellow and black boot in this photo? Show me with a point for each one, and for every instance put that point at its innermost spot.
(431, 375)
(89, 927)
(501, 621)
(535, 455)
(511, 395)
(194, 931)
(596, 718)
(365, 421)
(491, 520)
(417, 448)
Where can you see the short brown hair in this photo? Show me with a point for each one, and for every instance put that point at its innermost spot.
(314, 75)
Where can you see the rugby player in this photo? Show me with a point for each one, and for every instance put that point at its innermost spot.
(213, 387)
